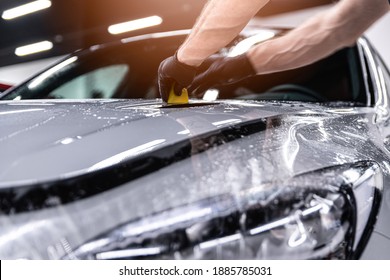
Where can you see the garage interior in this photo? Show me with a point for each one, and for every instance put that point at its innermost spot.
(75, 24)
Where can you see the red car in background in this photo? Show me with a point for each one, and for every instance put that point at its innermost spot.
(4, 87)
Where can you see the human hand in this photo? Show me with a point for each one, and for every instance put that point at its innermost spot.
(222, 71)
(174, 73)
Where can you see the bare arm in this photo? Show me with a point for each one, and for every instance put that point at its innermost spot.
(320, 36)
(218, 24)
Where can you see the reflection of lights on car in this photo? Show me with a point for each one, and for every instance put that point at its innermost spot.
(134, 253)
(220, 241)
(22, 230)
(184, 132)
(247, 43)
(297, 220)
(69, 140)
(227, 122)
(211, 95)
(131, 152)
(20, 111)
(38, 80)
(342, 111)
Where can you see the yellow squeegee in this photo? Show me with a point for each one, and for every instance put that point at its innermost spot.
(174, 99)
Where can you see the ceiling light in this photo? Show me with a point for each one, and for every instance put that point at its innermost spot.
(34, 48)
(25, 9)
(134, 24)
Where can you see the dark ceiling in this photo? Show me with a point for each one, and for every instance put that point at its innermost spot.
(75, 24)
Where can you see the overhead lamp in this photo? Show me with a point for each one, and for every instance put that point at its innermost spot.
(134, 24)
(34, 48)
(25, 9)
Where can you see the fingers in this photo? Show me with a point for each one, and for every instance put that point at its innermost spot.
(166, 83)
(204, 71)
(207, 79)
(164, 88)
(163, 82)
(177, 89)
(223, 71)
(174, 76)
(208, 62)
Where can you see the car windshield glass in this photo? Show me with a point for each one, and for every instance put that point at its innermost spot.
(129, 70)
(98, 83)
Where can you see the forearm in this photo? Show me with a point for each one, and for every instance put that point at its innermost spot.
(218, 24)
(320, 36)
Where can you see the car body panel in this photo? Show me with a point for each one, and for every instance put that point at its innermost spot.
(296, 138)
(98, 130)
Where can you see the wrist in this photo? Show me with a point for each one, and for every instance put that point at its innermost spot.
(183, 65)
(186, 59)
(246, 65)
(251, 55)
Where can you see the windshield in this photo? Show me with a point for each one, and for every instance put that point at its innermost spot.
(129, 69)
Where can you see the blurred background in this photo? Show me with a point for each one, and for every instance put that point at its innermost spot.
(35, 34)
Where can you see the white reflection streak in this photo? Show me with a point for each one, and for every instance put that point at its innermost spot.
(155, 35)
(130, 253)
(94, 245)
(20, 111)
(381, 99)
(20, 231)
(31, 102)
(354, 135)
(291, 146)
(299, 236)
(383, 86)
(184, 132)
(211, 95)
(312, 210)
(247, 43)
(270, 226)
(229, 121)
(164, 223)
(51, 71)
(122, 156)
(67, 141)
(285, 221)
(219, 241)
(342, 111)
(322, 130)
